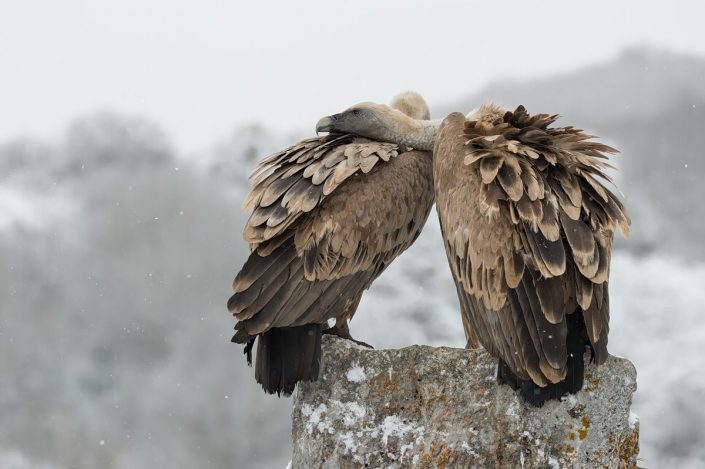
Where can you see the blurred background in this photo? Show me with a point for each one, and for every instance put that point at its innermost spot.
(127, 130)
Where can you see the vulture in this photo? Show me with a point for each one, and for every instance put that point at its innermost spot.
(528, 226)
(328, 215)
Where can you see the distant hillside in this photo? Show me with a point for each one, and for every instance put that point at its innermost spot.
(639, 81)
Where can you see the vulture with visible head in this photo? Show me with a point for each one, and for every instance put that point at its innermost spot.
(329, 214)
(528, 229)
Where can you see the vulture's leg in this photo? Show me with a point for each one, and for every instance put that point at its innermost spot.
(341, 328)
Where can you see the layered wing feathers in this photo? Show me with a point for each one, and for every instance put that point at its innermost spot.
(328, 215)
(295, 181)
(534, 241)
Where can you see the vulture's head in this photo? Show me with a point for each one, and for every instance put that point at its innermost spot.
(377, 121)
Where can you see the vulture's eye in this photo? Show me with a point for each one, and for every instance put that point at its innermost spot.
(355, 112)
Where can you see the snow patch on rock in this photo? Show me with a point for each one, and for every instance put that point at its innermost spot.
(633, 420)
(356, 374)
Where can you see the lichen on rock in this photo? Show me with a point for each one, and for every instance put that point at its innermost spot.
(429, 407)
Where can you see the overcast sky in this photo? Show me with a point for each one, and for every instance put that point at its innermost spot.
(200, 68)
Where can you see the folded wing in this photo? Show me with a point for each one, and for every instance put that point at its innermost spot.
(328, 215)
(528, 234)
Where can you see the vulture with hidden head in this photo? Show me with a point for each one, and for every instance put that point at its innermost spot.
(329, 214)
(528, 229)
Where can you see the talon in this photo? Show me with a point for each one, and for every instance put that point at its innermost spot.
(364, 344)
(344, 333)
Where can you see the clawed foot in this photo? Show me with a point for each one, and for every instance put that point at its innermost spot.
(344, 333)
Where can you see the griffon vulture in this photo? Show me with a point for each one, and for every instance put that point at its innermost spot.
(329, 214)
(528, 230)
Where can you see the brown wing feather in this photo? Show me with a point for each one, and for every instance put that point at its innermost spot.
(320, 236)
(362, 224)
(294, 182)
(539, 233)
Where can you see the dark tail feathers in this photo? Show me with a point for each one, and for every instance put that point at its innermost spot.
(287, 355)
(576, 341)
(573, 382)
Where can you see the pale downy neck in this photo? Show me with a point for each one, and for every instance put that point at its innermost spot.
(416, 134)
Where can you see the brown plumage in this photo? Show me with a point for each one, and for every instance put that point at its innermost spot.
(528, 231)
(328, 215)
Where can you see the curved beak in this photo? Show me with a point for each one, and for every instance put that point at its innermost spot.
(326, 123)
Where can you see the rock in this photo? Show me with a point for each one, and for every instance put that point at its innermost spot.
(429, 407)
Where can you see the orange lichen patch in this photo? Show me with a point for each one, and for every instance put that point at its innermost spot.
(439, 455)
(591, 382)
(628, 450)
(571, 436)
(569, 449)
(583, 432)
(434, 448)
(385, 382)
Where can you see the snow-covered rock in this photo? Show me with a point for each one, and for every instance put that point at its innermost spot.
(421, 406)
